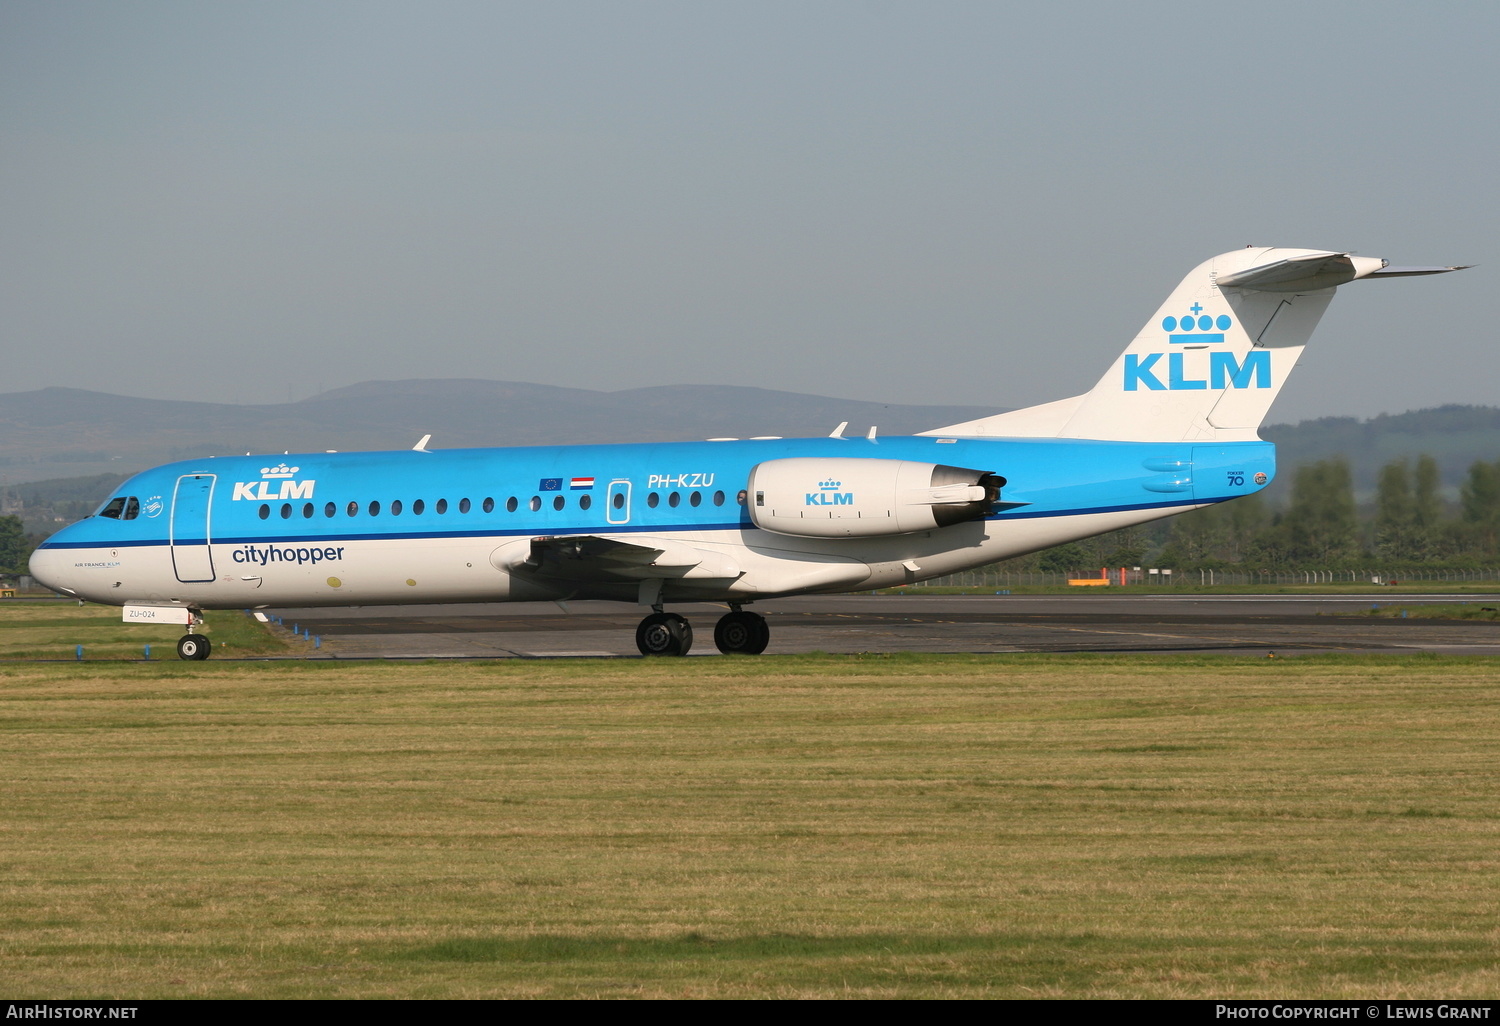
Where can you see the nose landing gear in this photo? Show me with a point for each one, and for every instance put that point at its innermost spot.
(190, 645)
(193, 646)
(736, 633)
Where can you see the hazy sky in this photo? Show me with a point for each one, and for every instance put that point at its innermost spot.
(918, 202)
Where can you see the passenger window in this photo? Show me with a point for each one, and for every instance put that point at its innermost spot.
(374, 507)
(652, 500)
(695, 499)
(489, 505)
(619, 500)
(307, 511)
(740, 498)
(417, 506)
(353, 509)
(536, 503)
(442, 506)
(286, 511)
(559, 502)
(113, 508)
(463, 505)
(673, 500)
(718, 498)
(329, 510)
(265, 511)
(511, 504)
(584, 502)
(395, 507)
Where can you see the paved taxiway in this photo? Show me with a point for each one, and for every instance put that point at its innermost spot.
(1252, 624)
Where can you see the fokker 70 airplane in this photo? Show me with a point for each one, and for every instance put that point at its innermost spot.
(1171, 426)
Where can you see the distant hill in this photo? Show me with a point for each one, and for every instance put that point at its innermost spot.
(1456, 436)
(66, 432)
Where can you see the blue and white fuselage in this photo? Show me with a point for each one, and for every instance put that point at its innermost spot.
(458, 525)
(1171, 426)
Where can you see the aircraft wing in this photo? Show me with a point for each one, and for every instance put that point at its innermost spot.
(612, 557)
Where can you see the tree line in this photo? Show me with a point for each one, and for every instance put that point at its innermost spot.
(15, 546)
(1407, 523)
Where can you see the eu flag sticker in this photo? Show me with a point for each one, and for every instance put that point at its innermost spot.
(550, 484)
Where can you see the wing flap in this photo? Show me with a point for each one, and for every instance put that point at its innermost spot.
(612, 557)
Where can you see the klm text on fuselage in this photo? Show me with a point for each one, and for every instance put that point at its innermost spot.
(264, 490)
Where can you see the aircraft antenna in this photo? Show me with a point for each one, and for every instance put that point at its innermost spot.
(422, 445)
(838, 432)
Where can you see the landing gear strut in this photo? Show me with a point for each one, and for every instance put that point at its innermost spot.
(742, 633)
(664, 634)
(193, 646)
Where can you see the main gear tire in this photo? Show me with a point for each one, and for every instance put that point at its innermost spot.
(664, 634)
(742, 633)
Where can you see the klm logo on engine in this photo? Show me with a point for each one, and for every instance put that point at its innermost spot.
(1197, 330)
(828, 494)
(275, 483)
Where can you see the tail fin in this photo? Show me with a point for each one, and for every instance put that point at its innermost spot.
(1210, 362)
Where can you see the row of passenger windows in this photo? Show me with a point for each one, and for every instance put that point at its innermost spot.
(440, 507)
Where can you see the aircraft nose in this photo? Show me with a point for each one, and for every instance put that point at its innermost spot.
(51, 568)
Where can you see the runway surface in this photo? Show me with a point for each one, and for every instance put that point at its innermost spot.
(1249, 624)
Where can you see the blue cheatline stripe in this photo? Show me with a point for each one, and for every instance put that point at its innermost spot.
(1183, 340)
(326, 539)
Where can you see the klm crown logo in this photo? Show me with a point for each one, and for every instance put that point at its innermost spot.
(276, 482)
(1197, 329)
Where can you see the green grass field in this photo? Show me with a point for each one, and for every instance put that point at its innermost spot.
(1466, 611)
(1009, 826)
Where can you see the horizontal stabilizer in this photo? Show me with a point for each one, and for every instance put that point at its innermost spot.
(1411, 272)
(1301, 273)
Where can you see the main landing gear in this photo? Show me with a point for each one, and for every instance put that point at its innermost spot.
(664, 634)
(742, 633)
(736, 633)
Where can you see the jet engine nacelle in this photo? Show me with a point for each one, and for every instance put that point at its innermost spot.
(866, 498)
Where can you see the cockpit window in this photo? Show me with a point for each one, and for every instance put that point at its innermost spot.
(132, 508)
(113, 508)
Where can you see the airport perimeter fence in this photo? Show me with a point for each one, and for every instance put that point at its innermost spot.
(1168, 578)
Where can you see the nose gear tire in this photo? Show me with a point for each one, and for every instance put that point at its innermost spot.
(193, 646)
